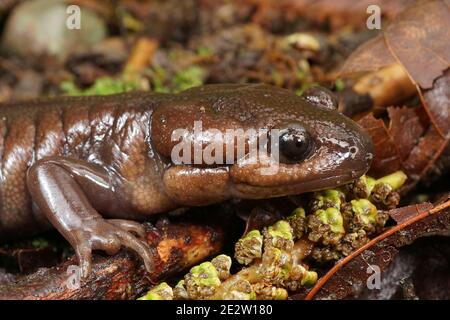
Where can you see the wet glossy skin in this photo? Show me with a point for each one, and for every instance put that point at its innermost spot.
(83, 164)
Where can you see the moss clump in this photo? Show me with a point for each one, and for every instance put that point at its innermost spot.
(249, 247)
(102, 86)
(297, 220)
(202, 280)
(160, 292)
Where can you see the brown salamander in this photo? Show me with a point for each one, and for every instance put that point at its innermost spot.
(91, 166)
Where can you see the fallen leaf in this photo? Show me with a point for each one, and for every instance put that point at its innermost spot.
(402, 214)
(423, 156)
(406, 127)
(437, 104)
(406, 144)
(386, 158)
(418, 39)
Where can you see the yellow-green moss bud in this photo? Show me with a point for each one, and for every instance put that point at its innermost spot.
(309, 279)
(370, 182)
(333, 218)
(180, 292)
(160, 292)
(281, 229)
(297, 220)
(279, 235)
(331, 198)
(240, 290)
(222, 263)
(297, 272)
(265, 291)
(276, 266)
(298, 213)
(249, 247)
(396, 180)
(365, 210)
(361, 187)
(280, 294)
(202, 280)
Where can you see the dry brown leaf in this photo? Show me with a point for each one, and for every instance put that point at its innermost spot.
(437, 104)
(423, 156)
(407, 144)
(418, 39)
(387, 158)
(406, 128)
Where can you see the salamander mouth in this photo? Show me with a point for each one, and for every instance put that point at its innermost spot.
(248, 191)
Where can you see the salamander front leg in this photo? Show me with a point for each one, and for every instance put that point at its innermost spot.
(57, 186)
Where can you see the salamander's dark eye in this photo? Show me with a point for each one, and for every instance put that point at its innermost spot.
(295, 144)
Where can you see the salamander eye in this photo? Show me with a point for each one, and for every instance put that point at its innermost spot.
(295, 144)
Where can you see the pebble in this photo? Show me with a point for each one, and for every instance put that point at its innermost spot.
(39, 27)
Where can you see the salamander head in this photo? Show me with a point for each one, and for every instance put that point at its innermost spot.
(310, 145)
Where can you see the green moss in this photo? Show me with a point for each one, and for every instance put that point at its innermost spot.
(333, 218)
(249, 247)
(189, 77)
(180, 284)
(339, 84)
(396, 180)
(160, 292)
(366, 210)
(204, 52)
(281, 294)
(298, 213)
(369, 183)
(328, 198)
(277, 78)
(252, 234)
(102, 86)
(301, 75)
(309, 279)
(205, 274)
(281, 229)
(159, 79)
(222, 263)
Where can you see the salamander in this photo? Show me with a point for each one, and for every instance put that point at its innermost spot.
(91, 167)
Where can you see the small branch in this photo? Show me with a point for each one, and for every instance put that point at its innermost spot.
(175, 246)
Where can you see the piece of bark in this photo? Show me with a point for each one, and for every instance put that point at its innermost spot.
(175, 247)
